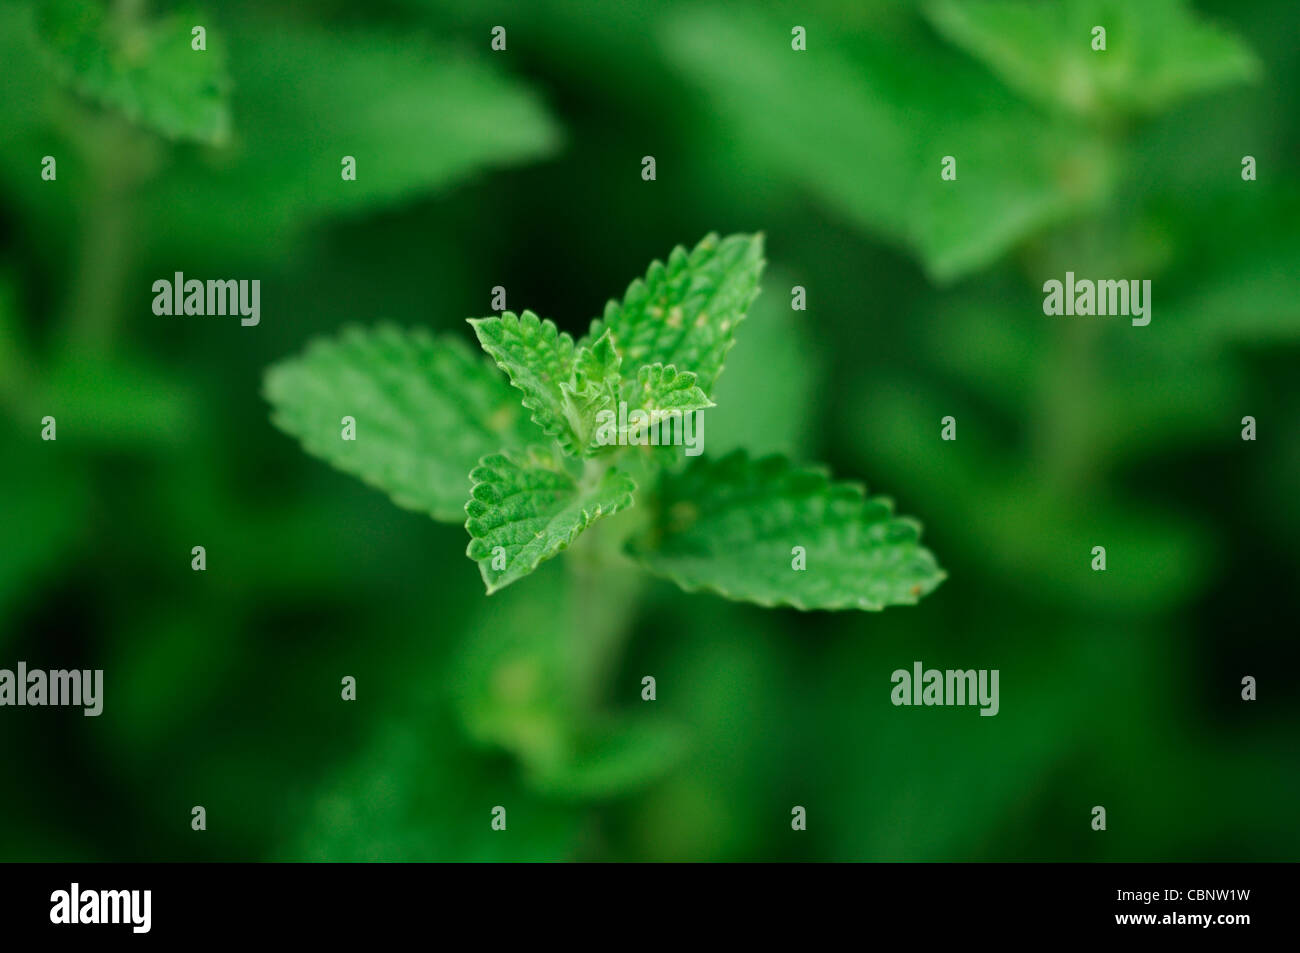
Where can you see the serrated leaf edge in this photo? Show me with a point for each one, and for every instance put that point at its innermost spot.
(824, 474)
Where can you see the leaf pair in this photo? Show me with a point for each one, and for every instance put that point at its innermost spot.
(573, 390)
(677, 325)
(526, 507)
(426, 412)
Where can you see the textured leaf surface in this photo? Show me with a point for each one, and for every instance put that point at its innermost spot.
(664, 388)
(685, 312)
(539, 361)
(1157, 51)
(730, 527)
(598, 362)
(593, 390)
(527, 507)
(882, 114)
(146, 69)
(426, 411)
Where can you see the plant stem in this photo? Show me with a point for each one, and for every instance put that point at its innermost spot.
(604, 591)
(1069, 405)
(117, 159)
(103, 260)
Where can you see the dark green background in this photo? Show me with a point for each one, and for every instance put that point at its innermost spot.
(522, 169)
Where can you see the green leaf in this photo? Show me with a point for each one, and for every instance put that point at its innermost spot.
(144, 68)
(611, 757)
(539, 360)
(526, 507)
(598, 363)
(883, 110)
(685, 313)
(519, 685)
(659, 387)
(417, 115)
(731, 527)
(1157, 51)
(426, 411)
(1237, 285)
(1023, 529)
(593, 390)
(655, 404)
(414, 792)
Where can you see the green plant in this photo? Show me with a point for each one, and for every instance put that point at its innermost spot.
(424, 412)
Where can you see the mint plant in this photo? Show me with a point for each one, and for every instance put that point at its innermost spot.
(431, 422)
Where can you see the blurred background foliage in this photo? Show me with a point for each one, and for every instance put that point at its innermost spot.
(522, 169)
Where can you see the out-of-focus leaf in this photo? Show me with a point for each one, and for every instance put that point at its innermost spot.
(610, 757)
(415, 795)
(996, 342)
(518, 687)
(728, 673)
(513, 686)
(732, 527)
(1238, 283)
(144, 68)
(426, 411)
(1157, 51)
(1017, 525)
(33, 97)
(415, 115)
(864, 123)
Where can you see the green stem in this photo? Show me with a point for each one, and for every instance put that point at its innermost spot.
(103, 261)
(604, 591)
(1063, 441)
(117, 158)
(1068, 406)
